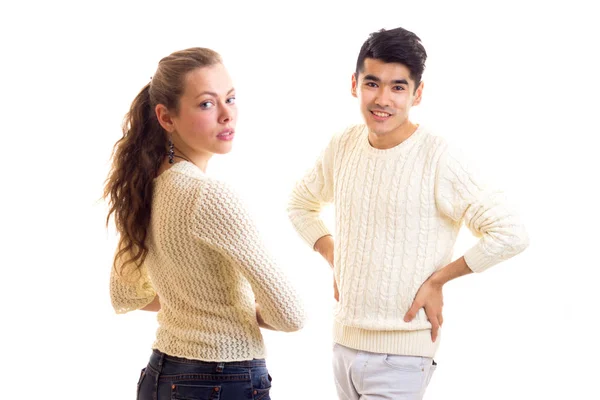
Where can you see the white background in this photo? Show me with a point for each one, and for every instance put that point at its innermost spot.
(515, 84)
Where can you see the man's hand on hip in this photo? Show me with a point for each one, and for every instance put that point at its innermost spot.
(429, 297)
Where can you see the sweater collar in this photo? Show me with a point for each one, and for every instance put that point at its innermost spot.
(397, 150)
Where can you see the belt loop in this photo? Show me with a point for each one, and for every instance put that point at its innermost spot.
(220, 367)
(159, 367)
(160, 361)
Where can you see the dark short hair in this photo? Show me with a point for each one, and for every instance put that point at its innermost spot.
(395, 46)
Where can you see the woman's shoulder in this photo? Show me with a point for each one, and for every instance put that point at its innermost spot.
(186, 177)
(184, 183)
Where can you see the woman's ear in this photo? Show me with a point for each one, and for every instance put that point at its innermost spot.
(164, 118)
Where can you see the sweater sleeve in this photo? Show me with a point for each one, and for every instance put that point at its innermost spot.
(461, 197)
(131, 289)
(310, 194)
(228, 228)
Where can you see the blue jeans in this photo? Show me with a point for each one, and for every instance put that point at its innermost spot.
(173, 378)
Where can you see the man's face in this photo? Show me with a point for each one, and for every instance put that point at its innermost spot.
(386, 93)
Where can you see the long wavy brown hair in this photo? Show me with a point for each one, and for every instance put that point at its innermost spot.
(138, 155)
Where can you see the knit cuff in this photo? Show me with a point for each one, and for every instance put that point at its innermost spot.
(313, 232)
(477, 260)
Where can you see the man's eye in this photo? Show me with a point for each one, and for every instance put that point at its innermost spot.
(371, 84)
(398, 88)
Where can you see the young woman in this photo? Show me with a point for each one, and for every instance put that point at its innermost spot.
(187, 247)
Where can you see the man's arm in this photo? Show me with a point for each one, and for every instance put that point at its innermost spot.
(310, 195)
(461, 197)
(430, 296)
(325, 247)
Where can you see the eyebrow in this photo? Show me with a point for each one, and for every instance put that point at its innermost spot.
(214, 94)
(376, 79)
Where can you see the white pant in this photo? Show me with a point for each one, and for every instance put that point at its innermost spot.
(365, 376)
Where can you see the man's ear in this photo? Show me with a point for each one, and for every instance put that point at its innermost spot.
(418, 94)
(354, 85)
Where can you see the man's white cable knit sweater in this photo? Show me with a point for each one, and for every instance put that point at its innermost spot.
(208, 266)
(398, 213)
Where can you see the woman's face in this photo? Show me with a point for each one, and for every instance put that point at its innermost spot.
(205, 122)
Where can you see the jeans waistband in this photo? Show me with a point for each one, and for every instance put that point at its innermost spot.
(158, 358)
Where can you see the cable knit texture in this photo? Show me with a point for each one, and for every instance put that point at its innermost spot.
(398, 213)
(209, 266)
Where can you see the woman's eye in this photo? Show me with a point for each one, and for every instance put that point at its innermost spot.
(206, 104)
(231, 100)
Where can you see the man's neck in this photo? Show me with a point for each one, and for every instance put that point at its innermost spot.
(394, 138)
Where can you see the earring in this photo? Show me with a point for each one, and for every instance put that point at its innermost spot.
(171, 151)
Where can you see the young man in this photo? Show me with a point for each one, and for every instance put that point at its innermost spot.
(400, 198)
